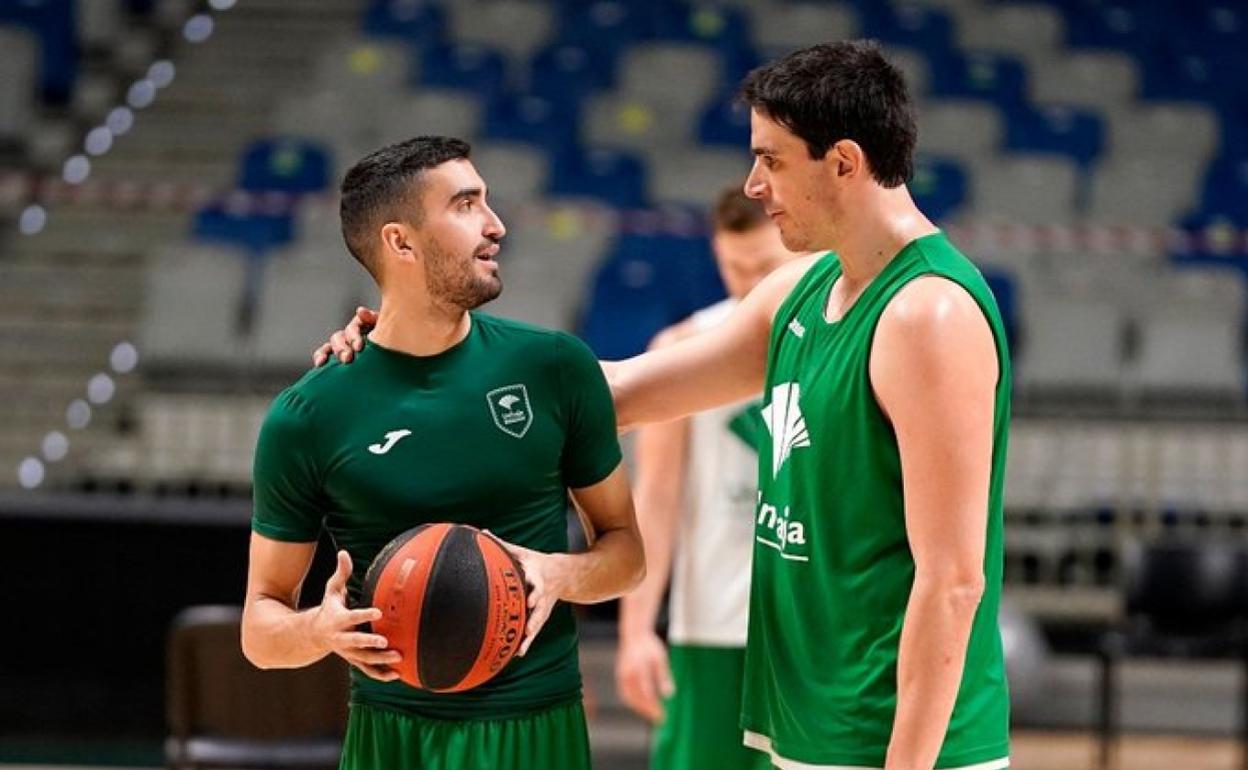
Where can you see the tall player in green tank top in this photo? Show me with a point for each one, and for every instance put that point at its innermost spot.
(450, 415)
(873, 638)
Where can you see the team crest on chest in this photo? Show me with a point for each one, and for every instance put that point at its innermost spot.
(509, 406)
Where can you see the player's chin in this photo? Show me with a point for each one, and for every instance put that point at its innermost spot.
(487, 289)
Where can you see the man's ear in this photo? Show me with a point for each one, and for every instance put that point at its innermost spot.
(397, 241)
(847, 157)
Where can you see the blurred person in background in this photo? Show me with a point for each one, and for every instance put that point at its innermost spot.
(695, 490)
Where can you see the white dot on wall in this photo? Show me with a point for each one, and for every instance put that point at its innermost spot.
(100, 389)
(77, 169)
(123, 358)
(33, 219)
(55, 446)
(99, 140)
(198, 28)
(30, 473)
(120, 120)
(78, 414)
(221, 5)
(161, 73)
(141, 94)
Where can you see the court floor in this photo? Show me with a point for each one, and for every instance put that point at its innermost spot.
(1032, 750)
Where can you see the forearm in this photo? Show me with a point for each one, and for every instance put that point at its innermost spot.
(931, 658)
(274, 635)
(613, 565)
(640, 608)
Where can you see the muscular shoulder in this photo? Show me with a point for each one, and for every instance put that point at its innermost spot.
(931, 323)
(931, 305)
(300, 399)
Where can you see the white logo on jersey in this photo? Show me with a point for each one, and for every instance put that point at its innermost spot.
(509, 406)
(796, 327)
(785, 423)
(392, 438)
(781, 531)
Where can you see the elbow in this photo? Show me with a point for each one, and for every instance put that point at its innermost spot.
(636, 571)
(965, 596)
(253, 645)
(960, 592)
(253, 655)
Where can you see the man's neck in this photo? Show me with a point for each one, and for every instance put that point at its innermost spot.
(889, 221)
(419, 328)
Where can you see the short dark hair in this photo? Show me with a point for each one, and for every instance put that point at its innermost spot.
(843, 90)
(736, 212)
(383, 182)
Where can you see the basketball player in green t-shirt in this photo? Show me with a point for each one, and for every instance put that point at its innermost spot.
(873, 639)
(448, 415)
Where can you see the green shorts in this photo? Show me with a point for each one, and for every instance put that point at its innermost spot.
(381, 739)
(701, 724)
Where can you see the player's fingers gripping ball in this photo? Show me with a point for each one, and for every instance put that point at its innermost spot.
(453, 604)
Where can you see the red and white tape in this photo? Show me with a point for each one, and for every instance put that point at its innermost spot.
(20, 189)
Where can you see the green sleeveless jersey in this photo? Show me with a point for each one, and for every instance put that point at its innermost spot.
(491, 432)
(832, 566)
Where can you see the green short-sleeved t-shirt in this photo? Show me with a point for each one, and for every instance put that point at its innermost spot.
(491, 432)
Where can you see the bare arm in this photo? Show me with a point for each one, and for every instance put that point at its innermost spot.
(642, 671)
(934, 370)
(614, 564)
(720, 366)
(275, 634)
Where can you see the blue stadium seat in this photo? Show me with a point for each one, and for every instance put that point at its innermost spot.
(421, 22)
(1213, 26)
(1076, 133)
(725, 28)
(284, 165)
(724, 122)
(473, 68)
(1226, 190)
(256, 233)
(1175, 74)
(737, 63)
(605, 26)
(568, 72)
(611, 176)
(532, 119)
(689, 256)
(53, 21)
(992, 77)
(915, 26)
(627, 307)
(1125, 26)
(647, 283)
(1234, 120)
(938, 186)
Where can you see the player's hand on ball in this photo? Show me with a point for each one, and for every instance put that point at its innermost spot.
(545, 576)
(346, 342)
(643, 674)
(334, 626)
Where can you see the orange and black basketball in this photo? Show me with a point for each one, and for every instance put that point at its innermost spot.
(453, 605)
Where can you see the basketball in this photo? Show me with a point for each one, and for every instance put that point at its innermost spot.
(453, 605)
